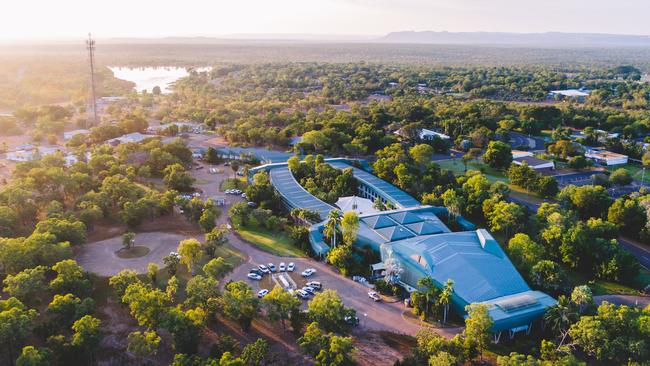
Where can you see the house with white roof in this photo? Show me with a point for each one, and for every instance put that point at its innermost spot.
(607, 158)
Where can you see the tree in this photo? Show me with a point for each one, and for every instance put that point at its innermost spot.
(421, 154)
(327, 309)
(70, 278)
(239, 303)
(200, 289)
(172, 288)
(445, 298)
(477, 326)
(280, 304)
(87, 334)
(561, 316)
(66, 309)
(143, 344)
(524, 252)
(27, 284)
(215, 239)
(628, 216)
(332, 225)
(548, 276)
(498, 155)
(341, 258)
(31, 356)
(217, 268)
(350, 226)
(177, 178)
(152, 273)
(313, 340)
(206, 221)
(506, 217)
(256, 353)
(147, 305)
(16, 322)
(589, 201)
(190, 252)
(73, 232)
(122, 280)
(171, 261)
(338, 353)
(186, 328)
(620, 177)
(582, 296)
(128, 240)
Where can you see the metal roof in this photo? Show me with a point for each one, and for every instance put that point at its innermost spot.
(294, 194)
(388, 191)
(479, 268)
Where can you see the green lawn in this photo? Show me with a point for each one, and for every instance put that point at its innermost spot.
(636, 171)
(493, 175)
(277, 243)
(232, 183)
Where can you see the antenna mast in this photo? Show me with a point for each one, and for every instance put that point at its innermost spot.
(90, 46)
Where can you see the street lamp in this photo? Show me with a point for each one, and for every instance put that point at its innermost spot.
(365, 317)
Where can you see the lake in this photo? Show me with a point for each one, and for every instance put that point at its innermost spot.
(146, 78)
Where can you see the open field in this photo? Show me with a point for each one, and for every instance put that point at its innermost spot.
(277, 243)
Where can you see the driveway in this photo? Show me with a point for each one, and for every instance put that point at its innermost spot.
(101, 257)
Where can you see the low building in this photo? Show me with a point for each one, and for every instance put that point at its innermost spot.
(68, 135)
(535, 163)
(520, 154)
(131, 137)
(607, 158)
(426, 134)
(575, 94)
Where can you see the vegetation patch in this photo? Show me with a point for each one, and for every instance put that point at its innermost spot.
(277, 243)
(134, 252)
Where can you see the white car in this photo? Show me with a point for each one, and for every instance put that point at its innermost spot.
(302, 294)
(291, 267)
(254, 276)
(262, 293)
(309, 290)
(264, 269)
(282, 267)
(308, 272)
(272, 267)
(315, 285)
(374, 296)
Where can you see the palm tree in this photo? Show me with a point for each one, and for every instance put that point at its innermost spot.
(430, 291)
(445, 298)
(331, 226)
(561, 316)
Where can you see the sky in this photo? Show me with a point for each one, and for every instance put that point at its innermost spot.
(72, 19)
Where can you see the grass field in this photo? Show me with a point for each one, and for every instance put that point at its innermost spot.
(277, 243)
(232, 183)
(456, 166)
(636, 171)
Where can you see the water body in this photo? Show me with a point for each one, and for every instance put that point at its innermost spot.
(146, 78)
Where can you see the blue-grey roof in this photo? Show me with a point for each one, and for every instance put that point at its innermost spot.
(294, 194)
(388, 191)
(473, 260)
(263, 155)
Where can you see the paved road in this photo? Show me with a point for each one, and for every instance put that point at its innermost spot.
(636, 301)
(385, 316)
(532, 142)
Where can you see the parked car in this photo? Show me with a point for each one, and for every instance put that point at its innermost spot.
(264, 269)
(243, 195)
(302, 294)
(308, 272)
(283, 267)
(315, 285)
(261, 293)
(374, 296)
(254, 276)
(352, 320)
(257, 271)
(291, 267)
(309, 290)
(251, 204)
(272, 267)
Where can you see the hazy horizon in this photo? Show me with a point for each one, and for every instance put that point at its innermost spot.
(47, 20)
